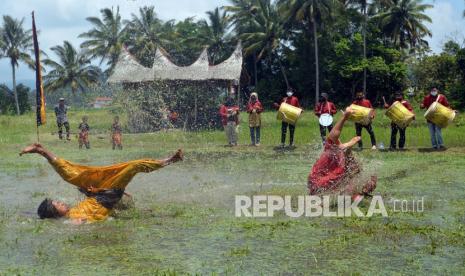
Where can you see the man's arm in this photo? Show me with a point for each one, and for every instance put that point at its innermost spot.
(335, 133)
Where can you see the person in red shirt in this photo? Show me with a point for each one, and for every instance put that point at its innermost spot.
(229, 113)
(362, 101)
(398, 96)
(254, 108)
(434, 130)
(336, 167)
(294, 101)
(325, 107)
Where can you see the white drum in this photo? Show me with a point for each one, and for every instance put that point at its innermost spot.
(326, 119)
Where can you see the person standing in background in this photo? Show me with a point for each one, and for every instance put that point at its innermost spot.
(362, 101)
(434, 130)
(294, 101)
(229, 113)
(116, 134)
(325, 107)
(84, 133)
(398, 96)
(61, 111)
(254, 108)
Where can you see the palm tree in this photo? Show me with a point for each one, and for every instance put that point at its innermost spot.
(146, 33)
(73, 69)
(363, 6)
(215, 34)
(15, 45)
(263, 38)
(403, 22)
(106, 39)
(311, 12)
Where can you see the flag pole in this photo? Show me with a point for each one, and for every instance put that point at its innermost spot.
(40, 98)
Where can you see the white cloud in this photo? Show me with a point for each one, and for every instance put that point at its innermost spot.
(447, 23)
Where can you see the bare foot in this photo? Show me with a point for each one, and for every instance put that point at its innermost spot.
(34, 148)
(370, 186)
(178, 156)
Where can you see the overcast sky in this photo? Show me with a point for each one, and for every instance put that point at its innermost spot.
(60, 20)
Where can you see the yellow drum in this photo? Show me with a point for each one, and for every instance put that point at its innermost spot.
(289, 113)
(440, 115)
(400, 115)
(362, 115)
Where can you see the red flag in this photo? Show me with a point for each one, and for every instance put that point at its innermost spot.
(40, 98)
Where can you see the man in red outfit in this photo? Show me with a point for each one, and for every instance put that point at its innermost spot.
(325, 107)
(398, 97)
(292, 100)
(362, 101)
(229, 113)
(434, 130)
(336, 168)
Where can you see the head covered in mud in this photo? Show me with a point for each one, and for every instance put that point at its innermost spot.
(52, 209)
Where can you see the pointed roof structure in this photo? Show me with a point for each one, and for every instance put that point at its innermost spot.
(128, 70)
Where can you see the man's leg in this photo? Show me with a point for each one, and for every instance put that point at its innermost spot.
(226, 131)
(67, 130)
(257, 136)
(234, 133)
(432, 133)
(252, 135)
(283, 132)
(402, 138)
(369, 128)
(439, 137)
(394, 129)
(358, 132)
(106, 177)
(291, 134)
(323, 133)
(60, 130)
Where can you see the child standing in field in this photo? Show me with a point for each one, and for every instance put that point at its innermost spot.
(84, 133)
(116, 134)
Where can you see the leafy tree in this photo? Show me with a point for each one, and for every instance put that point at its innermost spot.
(73, 69)
(403, 21)
(16, 44)
(106, 39)
(7, 99)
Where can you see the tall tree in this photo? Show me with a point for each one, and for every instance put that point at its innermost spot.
(215, 33)
(264, 38)
(311, 12)
(403, 22)
(146, 32)
(362, 5)
(106, 39)
(16, 45)
(73, 69)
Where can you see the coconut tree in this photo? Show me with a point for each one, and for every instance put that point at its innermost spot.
(73, 69)
(403, 22)
(106, 38)
(240, 13)
(16, 44)
(266, 32)
(312, 13)
(146, 32)
(215, 33)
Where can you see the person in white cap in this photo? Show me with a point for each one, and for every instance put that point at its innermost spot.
(61, 111)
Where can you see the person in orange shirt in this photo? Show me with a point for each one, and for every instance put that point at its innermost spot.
(294, 101)
(434, 130)
(103, 186)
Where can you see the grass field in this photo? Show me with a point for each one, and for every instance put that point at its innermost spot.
(183, 221)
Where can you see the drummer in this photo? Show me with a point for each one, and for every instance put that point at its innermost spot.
(362, 101)
(294, 101)
(398, 97)
(328, 108)
(434, 130)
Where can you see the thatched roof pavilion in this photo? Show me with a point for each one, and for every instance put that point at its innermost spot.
(128, 70)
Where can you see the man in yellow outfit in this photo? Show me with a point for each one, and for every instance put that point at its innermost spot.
(103, 186)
